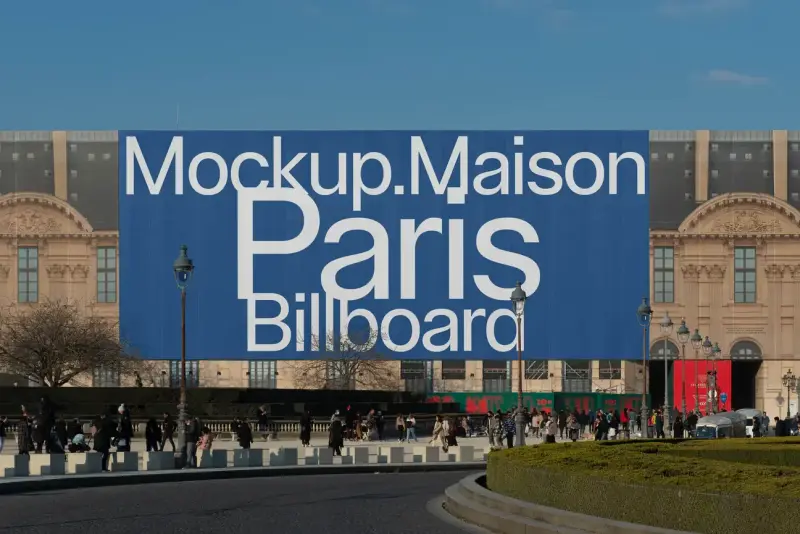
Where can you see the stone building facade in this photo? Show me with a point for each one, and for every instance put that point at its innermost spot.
(725, 256)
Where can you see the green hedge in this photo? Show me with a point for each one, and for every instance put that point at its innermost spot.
(646, 483)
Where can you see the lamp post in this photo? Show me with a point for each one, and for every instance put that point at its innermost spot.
(697, 344)
(518, 298)
(183, 267)
(711, 380)
(708, 347)
(644, 314)
(790, 383)
(666, 329)
(683, 338)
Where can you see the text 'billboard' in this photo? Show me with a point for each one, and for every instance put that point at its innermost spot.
(412, 241)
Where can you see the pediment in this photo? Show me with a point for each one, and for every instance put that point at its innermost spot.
(743, 214)
(36, 214)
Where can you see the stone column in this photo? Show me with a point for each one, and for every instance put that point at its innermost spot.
(716, 275)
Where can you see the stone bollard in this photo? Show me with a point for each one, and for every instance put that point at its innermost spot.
(360, 455)
(392, 455)
(124, 462)
(204, 460)
(219, 458)
(158, 461)
(47, 464)
(14, 465)
(325, 456)
(248, 458)
(284, 457)
(465, 453)
(84, 463)
(426, 454)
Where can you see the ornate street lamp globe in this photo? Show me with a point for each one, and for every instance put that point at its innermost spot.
(183, 267)
(666, 324)
(716, 351)
(683, 333)
(707, 346)
(518, 298)
(697, 339)
(644, 312)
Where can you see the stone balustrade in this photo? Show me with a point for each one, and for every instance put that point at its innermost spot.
(88, 463)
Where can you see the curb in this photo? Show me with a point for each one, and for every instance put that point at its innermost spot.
(469, 500)
(50, 483)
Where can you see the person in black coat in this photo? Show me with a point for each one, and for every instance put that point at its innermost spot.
(305, 428)
(168, 428)
(244, 434)
(104, 435)
(336, 437)
(124, 430)
(24, 438)
(152, 435)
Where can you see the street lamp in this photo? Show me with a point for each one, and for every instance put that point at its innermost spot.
(790, 383)
(697, 344)
(683, 338)
(183, 267)
(666, 329)
(711, 380)
(708, 348)
(518, 298)
(644, 314)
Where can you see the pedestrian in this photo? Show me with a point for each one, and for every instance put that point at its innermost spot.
(168, 428)
(124, 429)
(401, 427)
(491, 429)
(244, 435)
(509, 430)
(152, 435)
(305, 428)
(336, 436)
(3, 425)
(192, 437)
(411, 430)
(104, 434)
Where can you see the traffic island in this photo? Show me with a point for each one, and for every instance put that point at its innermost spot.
(706, 487)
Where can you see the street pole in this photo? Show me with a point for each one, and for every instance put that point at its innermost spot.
(520, 417)
(518, 298)
(182, 415)
(643, 408)
(667, 411)
(683, 381)
(696, 385)
(788, 402)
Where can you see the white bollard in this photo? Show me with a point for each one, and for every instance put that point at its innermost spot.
(393, 455)
(158, 461)
(427, 454)
(465, 453)
(47, 464)
(325, 456)
(84, 463)
(360, 455)
(219, 458)
(15, 465)
(124, 462)
(248, 458)
(204, 460)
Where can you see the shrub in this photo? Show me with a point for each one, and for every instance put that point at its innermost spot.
(650, 483)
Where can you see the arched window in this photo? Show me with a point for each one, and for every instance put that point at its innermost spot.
(658, 348)
(745, 350)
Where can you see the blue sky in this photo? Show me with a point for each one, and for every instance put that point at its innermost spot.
(413, 64)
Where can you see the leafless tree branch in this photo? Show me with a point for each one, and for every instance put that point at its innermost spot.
(345, 363)
(54, 343)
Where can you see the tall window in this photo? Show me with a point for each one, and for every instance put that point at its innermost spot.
(28, 274)
(610, 370)
(454, 369)
(106, 274)
(105, 377)
(536, 370)
(496, 376)
(744, 274)
(262, 374)
(664, 274)
(417, 374)
(577, 377)
(192, 374)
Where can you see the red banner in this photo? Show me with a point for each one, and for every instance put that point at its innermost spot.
(697, 375)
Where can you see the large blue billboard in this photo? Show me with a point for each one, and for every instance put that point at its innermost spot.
(412, 241)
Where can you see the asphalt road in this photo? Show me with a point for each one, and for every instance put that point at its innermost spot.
(351, 504)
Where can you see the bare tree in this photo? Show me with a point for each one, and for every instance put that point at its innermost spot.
(345, 363)
(54, 343)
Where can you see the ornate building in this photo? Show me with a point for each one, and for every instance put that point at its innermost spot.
(725, 257)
